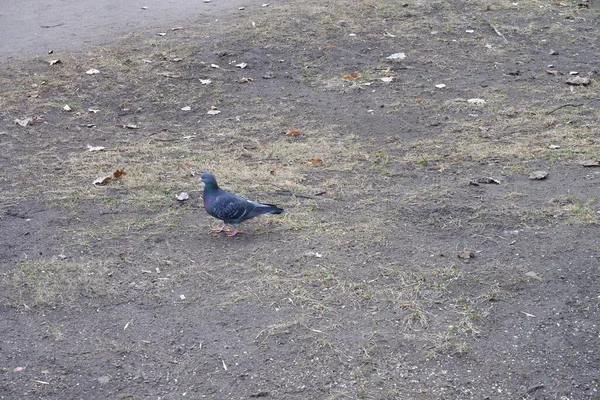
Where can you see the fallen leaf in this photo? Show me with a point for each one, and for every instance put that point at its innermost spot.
(52, 62)
(488, 180)
(183, 196)
(92, 71)
(418, 101)
(170, 75)
(292, 133)
(317, 162)
(103, 181)
(24, 122)
(538, 175)
(396, 56)
(533, 275)
(119, 173)
(465, 254)
(351, 77)
(590, 163)
(95, 148)
(476, 101)
(578, 81)
(205, 81)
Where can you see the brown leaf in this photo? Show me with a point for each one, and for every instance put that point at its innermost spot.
(119, 173)
(293, 133)
(351, 77)
(317, 162)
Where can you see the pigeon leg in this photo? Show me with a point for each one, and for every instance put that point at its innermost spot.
(221, 229)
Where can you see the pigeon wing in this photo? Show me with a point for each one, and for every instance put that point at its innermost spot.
(231, 208)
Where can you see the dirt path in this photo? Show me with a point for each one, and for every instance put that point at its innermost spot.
(32, 28)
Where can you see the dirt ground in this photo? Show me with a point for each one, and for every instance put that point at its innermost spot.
(416, 258)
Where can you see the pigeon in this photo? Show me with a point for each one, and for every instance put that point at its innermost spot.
(229, 208)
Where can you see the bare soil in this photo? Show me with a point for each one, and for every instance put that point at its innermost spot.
(415, 260)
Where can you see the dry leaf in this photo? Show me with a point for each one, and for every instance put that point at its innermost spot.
(476, 101)
(317, 162)
(119, 173)
(103, 181)
(169, 75)
(578, 81)
(351, 77)
(183, 196)
(293, 133)
(396, 56)
(24, 122)
(95, 148)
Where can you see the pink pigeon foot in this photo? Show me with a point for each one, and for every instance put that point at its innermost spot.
(221, 229)
(233, 233)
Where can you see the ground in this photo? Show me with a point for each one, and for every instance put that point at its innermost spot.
(416, 258)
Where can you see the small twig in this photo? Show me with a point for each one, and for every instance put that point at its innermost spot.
(52, 26)
(302, 196)
(496, 30)
(571, 105)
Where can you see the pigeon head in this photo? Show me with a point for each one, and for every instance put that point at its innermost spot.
(210, 182)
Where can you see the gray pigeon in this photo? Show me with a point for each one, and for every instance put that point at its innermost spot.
(229, 208)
